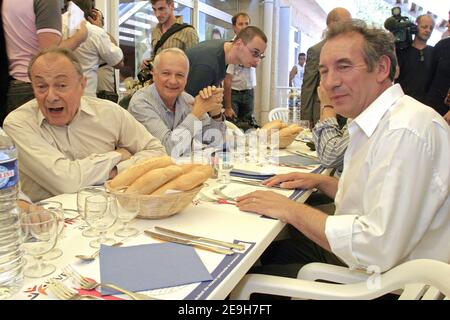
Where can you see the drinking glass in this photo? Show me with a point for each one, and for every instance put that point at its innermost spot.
(100, 212)
(39, 230)
(306, 132)
(225, 165)
(57, 209)
(82, 194)
(128, 205)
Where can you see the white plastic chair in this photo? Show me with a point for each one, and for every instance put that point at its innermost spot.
(417, 279)
(233, 128)
(279, 113)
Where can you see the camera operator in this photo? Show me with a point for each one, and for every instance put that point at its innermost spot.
(414, 61)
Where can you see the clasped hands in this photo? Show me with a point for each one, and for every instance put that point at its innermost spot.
(209, 99)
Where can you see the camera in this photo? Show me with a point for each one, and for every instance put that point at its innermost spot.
(402, 29)
(146, 73)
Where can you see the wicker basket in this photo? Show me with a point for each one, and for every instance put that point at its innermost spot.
(162, 206)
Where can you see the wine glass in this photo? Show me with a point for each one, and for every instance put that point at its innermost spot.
(56, 208)
(82, 194)
(128, 205)
(100, 212)
(225, 165)
(39, 229)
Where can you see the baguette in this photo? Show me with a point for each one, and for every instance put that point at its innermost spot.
(154, 179)
(188, 167)
(291, 130)
(274, 124)
(187, 181)
(128, 176)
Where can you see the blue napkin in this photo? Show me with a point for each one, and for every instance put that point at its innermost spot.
(150, 266)
(250, 174)
(296, 160)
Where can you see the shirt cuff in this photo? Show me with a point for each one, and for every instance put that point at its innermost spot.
(116, 158)
(339, 233)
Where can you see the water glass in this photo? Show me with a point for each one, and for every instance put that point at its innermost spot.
(82, 194)
(128, 205)
(39, 230)
(225, 165)
(57, 209)
(100, 212)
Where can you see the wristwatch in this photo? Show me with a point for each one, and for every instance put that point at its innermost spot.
(218, 116)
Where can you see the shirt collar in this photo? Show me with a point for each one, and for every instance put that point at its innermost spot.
(368, 120)
(84, 107)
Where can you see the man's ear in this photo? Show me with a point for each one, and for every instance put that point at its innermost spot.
(83, 82)
(383, 68)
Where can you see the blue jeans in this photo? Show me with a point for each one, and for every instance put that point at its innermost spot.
(242, 102)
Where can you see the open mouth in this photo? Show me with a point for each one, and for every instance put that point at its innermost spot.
(55, 110)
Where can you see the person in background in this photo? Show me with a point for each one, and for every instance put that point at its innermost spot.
(310, 109)
(216, 34)
(297, 72)
(174, 116)
(24, 201)
(185, 38)
(239, 83)
(385, 213)
(209, 59)
(66, 140)
(446, 34)
(415, 61)
(439, 83)
(29, 26)
(98, 48)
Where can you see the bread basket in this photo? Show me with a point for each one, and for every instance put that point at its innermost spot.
(162, 206)
(283, 141)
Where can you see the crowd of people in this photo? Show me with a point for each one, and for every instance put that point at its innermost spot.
(391, 145)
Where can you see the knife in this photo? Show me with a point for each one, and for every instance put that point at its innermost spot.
(253, 183)
(203, 239)
(188, 242)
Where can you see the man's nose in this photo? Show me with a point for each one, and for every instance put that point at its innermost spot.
(52, 94)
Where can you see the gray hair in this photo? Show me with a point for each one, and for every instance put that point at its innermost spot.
(57, 51)
(378, 42)
(176, 51)
(425, 15)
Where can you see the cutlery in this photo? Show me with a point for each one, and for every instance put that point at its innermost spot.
(252, 183)
(305, 155)
(62, 292)
(90, 284)
(188, 242)
(91, 257)
(218, 191)
(202, 239)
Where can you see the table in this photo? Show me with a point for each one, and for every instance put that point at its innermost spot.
(219, 221)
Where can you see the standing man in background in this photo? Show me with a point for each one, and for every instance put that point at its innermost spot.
(238, 85)
(310, 101)
(29, 26)
(415, 61)
(182, 36)
(297, 72)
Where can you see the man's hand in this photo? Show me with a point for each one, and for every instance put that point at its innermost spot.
(124, 153)
(96, 18)
(268, 203)
(295, 180)
(229, 113)
(209, 100)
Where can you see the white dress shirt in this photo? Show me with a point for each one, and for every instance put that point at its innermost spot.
(55, 160)
(97, 48)
(393, 201)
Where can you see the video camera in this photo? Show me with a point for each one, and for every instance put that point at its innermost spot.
(402, 29)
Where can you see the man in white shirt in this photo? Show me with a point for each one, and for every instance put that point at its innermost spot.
(393, 198)
(98, 48)
(239, 83)
(297, 72)
(67, 141)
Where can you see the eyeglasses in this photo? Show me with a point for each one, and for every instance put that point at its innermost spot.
(255, 53)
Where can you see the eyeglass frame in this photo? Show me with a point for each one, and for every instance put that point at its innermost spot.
(255, 54)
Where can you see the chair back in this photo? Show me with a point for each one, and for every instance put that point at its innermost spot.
(279, 113)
